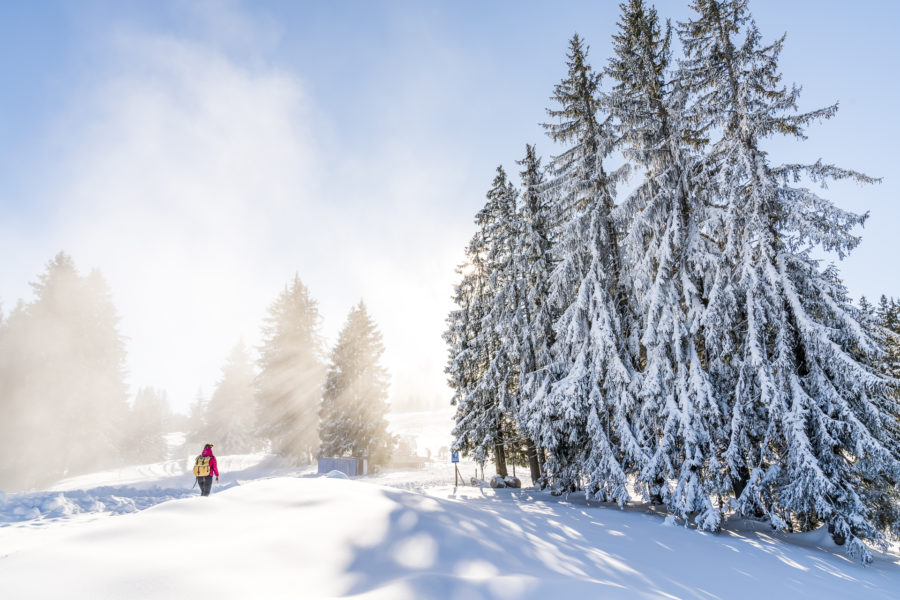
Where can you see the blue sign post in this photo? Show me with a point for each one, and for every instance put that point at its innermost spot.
(454, 458)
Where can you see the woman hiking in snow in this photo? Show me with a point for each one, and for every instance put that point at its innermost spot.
(205, 475)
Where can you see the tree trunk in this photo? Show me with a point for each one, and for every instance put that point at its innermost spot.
(534, 463)
(500, 456)
(741, 482)
(656, 492)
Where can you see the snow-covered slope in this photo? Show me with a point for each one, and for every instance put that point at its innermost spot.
(316, 537)
(274, 531)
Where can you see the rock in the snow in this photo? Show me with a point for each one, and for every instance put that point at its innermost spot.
(512, 482)
(498, 482)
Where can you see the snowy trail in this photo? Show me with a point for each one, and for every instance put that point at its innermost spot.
(106, 499)
(133, 488)
(137, 487)
(317, 537)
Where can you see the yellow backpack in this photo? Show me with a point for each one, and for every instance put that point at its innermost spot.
(201, 466)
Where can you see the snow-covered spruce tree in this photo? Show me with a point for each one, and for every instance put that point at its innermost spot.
(584, 420)
(501, 377)
(886, 321)
(464, 362)
(882, 322)
(888, 312)
(680, 422)
(533, 333)
(291, 374)
(483, 370)
(812, 437)
(232, 413)
(354, 400)
(887, 315)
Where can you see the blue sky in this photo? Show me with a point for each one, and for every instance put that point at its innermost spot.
(201, 153)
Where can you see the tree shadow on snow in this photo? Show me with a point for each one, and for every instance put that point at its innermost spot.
(527, 544)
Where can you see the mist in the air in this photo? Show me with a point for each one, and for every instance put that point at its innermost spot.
(197, 186)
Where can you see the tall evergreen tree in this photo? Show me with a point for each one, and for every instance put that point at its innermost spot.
(232, 413)
(887, 315)
(63, 370)
(533, 326)
(291, 373)
(500, 379)
(465, 363)
(486, 373)
(354, 402)
(811, 437)
(584, 422)
(680, 422)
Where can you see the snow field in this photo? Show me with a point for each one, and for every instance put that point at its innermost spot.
(275, 531)
(317, 537)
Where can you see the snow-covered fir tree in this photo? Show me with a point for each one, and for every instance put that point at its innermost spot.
(465, 364)
(500, 381)
(291, 373)
(667, 256)
(880, 322)
(583, 421)
(887, 316)
(232, 413)
(483, 369)
(533, 332)
(812, 436)
(354, 401)
(501, 378)
(502, 327)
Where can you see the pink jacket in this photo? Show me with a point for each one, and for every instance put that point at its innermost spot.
(213, 467)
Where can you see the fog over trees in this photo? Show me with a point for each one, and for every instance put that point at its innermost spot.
(354, 401)
(231, 414)
(63, 396)
(65, 408)
(149, 420)
(291, 374)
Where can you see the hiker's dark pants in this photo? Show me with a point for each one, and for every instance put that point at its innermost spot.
(205, 484)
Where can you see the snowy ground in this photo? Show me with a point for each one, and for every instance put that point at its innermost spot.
(271, 531)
